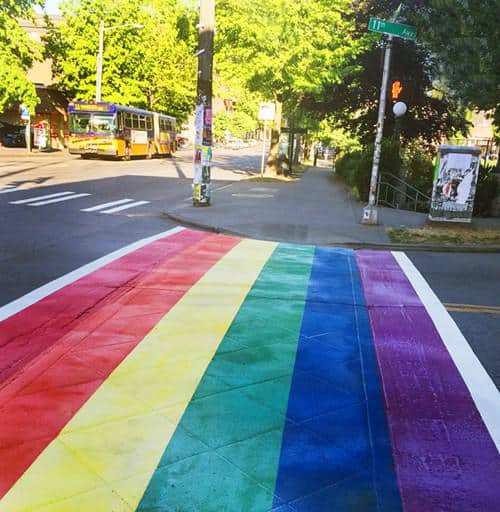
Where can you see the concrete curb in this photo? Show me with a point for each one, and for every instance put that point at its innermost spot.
(350, 245)
(34, 154)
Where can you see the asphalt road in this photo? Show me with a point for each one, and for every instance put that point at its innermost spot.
(41, 243)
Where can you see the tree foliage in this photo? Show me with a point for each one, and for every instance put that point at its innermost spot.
(17, 53)
(284, 48)
(464, 36)
(432, 115)
(150, 67)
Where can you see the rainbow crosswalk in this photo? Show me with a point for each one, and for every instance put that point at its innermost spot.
(200, 372)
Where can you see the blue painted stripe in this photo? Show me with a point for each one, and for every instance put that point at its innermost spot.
(336, 452)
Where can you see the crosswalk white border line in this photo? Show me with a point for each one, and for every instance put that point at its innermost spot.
(8, 188)
(125, 206)
(105, 205)
(43, 291)
(39, 198)
(59, 199)
(481, 387)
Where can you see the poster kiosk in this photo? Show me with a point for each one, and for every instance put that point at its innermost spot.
(455, 180)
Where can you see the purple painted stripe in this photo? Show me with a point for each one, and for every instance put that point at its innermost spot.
(445, 458)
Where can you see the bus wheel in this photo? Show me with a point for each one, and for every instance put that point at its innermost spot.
(150, 152)
(126, 156)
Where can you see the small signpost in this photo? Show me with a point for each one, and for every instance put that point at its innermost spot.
(392, 29)
(267, 111)
(26, 116)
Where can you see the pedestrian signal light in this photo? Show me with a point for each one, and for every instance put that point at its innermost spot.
(396, 90)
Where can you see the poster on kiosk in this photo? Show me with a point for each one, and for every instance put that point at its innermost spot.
(455, 180)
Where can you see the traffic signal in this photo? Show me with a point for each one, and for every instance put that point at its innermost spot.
(396, 90)
(400, 88)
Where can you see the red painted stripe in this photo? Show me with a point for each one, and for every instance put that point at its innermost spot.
(35, 407)
(29, 333)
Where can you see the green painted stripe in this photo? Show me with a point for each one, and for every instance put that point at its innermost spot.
(224, 454)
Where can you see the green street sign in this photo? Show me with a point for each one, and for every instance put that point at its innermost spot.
(393, 29)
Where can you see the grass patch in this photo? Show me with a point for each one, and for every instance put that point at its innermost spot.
(445, 235)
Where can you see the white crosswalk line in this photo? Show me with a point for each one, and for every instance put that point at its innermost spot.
(39, 198)
(106, 205)
(59, 199)
(124, 207)
(8, 188)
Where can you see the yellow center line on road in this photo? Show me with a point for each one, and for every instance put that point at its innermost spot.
(473, 308)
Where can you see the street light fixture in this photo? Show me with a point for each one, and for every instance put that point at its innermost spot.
(102, 29)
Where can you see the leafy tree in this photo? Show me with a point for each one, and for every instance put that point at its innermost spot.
(152, 67)
(331, 134)
(431, 116)
(464, 36)
(285, 49)
(17, 53)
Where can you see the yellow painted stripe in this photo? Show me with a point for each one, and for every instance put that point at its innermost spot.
(103, 459)
(473, 308)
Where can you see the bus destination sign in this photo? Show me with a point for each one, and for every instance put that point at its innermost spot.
(91, 107)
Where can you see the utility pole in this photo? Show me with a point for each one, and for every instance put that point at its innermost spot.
(203, 111)
(370, 213)
(98, 81)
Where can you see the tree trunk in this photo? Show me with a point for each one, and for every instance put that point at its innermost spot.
(272, 161)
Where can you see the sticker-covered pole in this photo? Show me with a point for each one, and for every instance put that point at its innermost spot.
(203, 111)
(370, 214)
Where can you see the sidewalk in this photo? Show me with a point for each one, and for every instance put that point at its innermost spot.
(7, 152)
(315, 209)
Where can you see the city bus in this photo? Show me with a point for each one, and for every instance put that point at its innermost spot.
(107, 129)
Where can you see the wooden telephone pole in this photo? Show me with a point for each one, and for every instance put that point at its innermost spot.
(203, 111)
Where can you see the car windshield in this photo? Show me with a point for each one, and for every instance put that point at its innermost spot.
(92, 123)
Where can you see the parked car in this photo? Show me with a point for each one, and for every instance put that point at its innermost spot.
(14, 136)
(235, 144)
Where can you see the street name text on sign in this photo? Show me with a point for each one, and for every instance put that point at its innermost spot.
(393, 29)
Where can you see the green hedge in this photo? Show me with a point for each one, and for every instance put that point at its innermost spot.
(486, 191)
(356, 168)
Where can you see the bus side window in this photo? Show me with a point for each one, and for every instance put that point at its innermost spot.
(128, 120)
(141, 122)
(119, 121)
(149, 122)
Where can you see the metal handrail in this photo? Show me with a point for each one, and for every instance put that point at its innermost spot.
(419, 192)
(402, 192)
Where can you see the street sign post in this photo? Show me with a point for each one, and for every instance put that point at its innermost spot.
(26, 116)
(393, 29)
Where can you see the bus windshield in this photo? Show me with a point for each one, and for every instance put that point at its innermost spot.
(83, 122)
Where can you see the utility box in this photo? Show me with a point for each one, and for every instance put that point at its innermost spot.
(455, 180)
